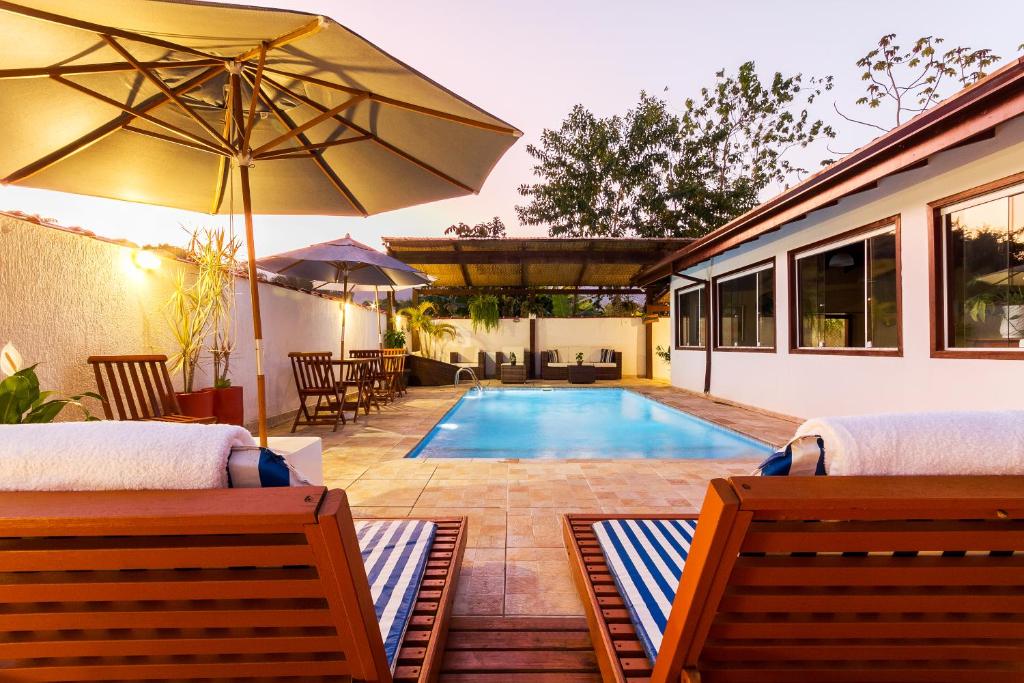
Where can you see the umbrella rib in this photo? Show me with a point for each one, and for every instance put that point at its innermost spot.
(136, 113)
(316, 146)
(318, 159)
(99, 28)
(158, 82)
(304, 31)
(250, 120)
(223, 167)
(106, 67)
(400, 104)
(105, 130)
(383, 143)
(316, 120)
(173, 140)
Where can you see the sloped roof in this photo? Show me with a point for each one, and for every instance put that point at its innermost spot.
(531, 262)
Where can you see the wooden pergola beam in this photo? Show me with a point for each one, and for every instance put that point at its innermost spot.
(400, 104)
(317, 158)
(496, 257)
(109, 128)
(536, 290)
(101, 29)
(373, 136)
(106, 67)
(166, 90)
(463, 267)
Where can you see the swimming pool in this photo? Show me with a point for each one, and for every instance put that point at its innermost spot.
(560, 424)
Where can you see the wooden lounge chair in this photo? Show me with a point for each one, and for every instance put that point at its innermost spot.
(828, 579)
(314, 380)
(139, 388)
(229, 584)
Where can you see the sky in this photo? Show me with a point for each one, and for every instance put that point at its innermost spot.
(528, 62)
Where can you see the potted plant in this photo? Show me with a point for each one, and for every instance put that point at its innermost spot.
(579, 358)
(512, 358)
(214, 252)
(394, 339)
(21, 401)
(1006, 304)
(484, 312)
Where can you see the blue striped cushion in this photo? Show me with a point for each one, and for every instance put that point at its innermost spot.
(395, 556)
(803, 456)
(253, 467)
(646, 558)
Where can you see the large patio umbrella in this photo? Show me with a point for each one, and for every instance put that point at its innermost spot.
(158, 101)
(348, 263)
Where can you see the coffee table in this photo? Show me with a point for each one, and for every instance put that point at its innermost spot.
(582, 374)
(513, 374)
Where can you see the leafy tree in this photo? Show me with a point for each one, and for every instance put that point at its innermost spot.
(492, 229)
(733, 143)
(909, 81)
(601, 177)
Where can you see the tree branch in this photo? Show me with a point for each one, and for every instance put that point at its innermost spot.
(852, 120)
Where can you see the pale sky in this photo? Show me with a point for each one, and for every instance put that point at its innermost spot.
(530, 61)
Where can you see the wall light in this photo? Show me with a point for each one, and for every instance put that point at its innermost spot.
(145, 260)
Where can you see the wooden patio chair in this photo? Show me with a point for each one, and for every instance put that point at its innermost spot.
(227, 584)
(398, 370)
(376, 375)
(826, 579)
(392, 368)
(314, 380)
(357, 376)
(138, 387)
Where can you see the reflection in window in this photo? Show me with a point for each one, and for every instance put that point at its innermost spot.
(746, 310)
(985, 273)
(690, 318)
(846, 295)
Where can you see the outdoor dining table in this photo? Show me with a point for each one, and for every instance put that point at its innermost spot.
(357, 372)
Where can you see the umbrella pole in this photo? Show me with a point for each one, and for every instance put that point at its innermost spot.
(376, 307)
(254, 297)
(344, 312)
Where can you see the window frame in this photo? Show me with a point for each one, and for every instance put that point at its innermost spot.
(848, 237)
(938, 294)
(766, 264)
(703, 290)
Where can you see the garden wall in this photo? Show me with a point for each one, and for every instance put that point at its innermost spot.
(65, 296)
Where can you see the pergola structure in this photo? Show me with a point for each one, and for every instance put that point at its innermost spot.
(524, 266)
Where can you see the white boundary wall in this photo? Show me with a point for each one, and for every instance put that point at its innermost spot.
(810, 385)
(65, 296)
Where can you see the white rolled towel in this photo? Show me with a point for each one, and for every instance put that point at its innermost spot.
(965, 442)
(107, 455)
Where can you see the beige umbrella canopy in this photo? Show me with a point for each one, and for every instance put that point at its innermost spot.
(152, 101)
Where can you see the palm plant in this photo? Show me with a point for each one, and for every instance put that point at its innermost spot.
(215, 252)
(188, 316)
(432, 333)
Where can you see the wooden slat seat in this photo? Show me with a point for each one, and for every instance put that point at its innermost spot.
(236, 584)
(138, 387)
(828, 579)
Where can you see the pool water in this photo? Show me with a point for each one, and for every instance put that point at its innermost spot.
(577, 423)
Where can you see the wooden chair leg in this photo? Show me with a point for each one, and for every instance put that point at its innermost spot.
(299, 413)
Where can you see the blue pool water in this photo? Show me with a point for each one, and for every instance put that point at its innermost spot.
(576, 423)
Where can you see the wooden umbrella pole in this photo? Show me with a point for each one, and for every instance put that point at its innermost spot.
(244, 159)
(344, 311)
(376, 308)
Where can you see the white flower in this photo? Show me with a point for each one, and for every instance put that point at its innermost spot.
(10, 360)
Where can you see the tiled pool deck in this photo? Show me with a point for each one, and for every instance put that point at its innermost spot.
(515, 563)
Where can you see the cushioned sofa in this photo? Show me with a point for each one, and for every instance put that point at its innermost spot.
(554, 364)
(463, 360)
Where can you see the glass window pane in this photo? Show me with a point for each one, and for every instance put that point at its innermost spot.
(832, 302)
(982, 303)
(737, 311)
(883, 319)
(766, 307)
(689, 318)
(1015, 274)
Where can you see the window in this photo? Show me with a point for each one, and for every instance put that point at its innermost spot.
(983, 271)
(690, 324)
(746, 308)
(847, 292)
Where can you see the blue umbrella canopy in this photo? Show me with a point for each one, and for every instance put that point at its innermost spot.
(344, 261)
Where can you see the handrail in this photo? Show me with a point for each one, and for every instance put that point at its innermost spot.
(472, 376)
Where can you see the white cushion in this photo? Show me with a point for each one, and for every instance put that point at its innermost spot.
(604, 365)
(558, 365)
(464, 364)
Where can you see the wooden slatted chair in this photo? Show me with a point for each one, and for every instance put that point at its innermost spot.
(235, 584)
(138, 387)
(828, 579)
(314, 380)
(397, 370)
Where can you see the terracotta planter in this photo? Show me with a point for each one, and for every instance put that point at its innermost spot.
(196, 403)
(228, 406)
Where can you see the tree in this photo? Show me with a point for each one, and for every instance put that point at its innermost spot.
(733, 144)
(651, 173)
(601, 177)
(911, 80)
(492, 229)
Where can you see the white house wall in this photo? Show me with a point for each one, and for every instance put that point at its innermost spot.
(807, 384)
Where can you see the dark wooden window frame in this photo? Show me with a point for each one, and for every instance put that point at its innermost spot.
(937, 293)
(718, 302)
(794, 314)
(705, 306)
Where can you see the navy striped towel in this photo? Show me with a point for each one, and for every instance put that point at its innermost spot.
(395, 556)
(253, 467)
(803, 456)
(646, 558)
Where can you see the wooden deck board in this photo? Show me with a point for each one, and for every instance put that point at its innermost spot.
(519, 650)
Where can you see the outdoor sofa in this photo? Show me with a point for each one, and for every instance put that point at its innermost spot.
(478, 365)
(608, 369)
